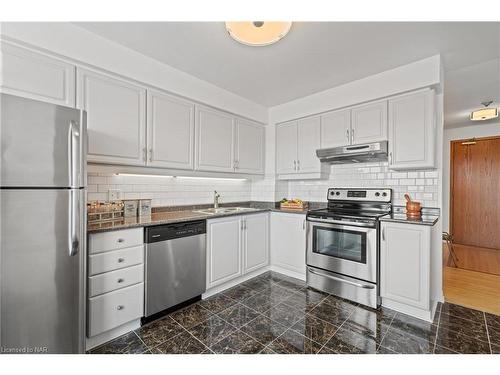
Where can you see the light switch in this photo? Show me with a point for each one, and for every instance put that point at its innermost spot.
(114, 195)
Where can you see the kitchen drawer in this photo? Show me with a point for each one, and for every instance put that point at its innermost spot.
(113, 309)
(115, 260)
(100, 242)
(114, 280)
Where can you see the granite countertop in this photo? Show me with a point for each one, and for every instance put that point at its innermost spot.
(429, 216)
(178, 216)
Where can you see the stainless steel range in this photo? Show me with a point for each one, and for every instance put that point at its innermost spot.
(343, 243)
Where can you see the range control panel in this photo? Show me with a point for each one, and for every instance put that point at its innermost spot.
(360, 194)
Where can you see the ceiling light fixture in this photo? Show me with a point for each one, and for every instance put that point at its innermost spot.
(258, 33)
(484, 113)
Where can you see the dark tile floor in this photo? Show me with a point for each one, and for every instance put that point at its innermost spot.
(273, 313)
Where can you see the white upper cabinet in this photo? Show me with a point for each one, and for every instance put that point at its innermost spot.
(36, 76)
(116, 118)
(335, 128)
(170, 131)
(412, 131)
(214, 140)
(308, 141)
(369, 123)
(286, 148)
(249, 147)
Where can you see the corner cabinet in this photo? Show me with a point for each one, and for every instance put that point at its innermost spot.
(116, 118)
(170, 131)
(249, 147)
(405, 268)
(236, 245)
(412, 131)
(288, 242)
(296, 145)
(37, 76)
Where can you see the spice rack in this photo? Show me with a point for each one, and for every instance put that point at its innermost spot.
(101, 212)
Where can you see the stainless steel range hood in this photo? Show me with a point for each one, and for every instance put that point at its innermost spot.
(354, 154)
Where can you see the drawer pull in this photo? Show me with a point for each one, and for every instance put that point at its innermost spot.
(121, 240)
(120, 307)
(121, 280)
(121, 260)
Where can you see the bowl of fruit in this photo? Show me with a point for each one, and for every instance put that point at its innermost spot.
(293, 204)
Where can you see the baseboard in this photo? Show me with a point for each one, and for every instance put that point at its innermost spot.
(97, 340)
(427, 315)
(286, 272)
(219, 288)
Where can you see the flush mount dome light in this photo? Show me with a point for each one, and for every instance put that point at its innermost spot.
(484, 113)
(258, 33)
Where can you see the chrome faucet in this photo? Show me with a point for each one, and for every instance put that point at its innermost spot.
(216, 199)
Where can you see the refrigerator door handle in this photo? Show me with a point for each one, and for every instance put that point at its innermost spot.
(74, 222)
(74, 154)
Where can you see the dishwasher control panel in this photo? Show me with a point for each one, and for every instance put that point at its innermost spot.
(172, 231)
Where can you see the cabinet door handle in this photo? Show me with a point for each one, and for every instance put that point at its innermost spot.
(145, 154)
(347, 135)
(383, 234)
(151, 154)
(295, 165)
(390, 158)
(120, 240)
(352, 135)
(304, 225)
(298, 165)
(121, 260)
(121, 280)
(120, 307)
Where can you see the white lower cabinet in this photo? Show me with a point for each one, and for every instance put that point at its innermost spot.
(236, 245)
(115, 284)
(405, 268)
(288, 242)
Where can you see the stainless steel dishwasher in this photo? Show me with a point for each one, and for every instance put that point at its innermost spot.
(175, 264)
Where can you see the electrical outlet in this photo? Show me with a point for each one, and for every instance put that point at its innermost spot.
(114, 195)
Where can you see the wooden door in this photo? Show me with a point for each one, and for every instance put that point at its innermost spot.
(170, 128)
(475, 192)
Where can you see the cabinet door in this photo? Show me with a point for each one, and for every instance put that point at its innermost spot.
(170, 128)
(249, 155)
(369, 123)
(116, 118)
(288, 241)
(36, 76)
(223, 250)
(256, 241)
(214, 140)
(335, 128)
(309, 140)
(412, 131)
(405, 268)
(286, 147)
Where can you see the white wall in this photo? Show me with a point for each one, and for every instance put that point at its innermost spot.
(477, 130)
(76, 43)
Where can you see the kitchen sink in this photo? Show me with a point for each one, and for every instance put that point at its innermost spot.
(224, 210)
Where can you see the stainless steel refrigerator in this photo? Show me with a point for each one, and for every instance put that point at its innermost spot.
(43, 227)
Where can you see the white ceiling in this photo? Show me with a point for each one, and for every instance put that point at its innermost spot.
(316, 56)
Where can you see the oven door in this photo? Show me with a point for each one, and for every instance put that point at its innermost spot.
(350, 250)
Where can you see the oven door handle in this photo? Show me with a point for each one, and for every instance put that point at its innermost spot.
(347, 223)
(364, 286)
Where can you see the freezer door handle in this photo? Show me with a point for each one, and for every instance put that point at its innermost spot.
(74, 222)
(74, 154)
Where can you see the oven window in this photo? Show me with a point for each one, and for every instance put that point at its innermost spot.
(340, 243)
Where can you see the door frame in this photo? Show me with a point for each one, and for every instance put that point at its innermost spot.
(452, 161)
